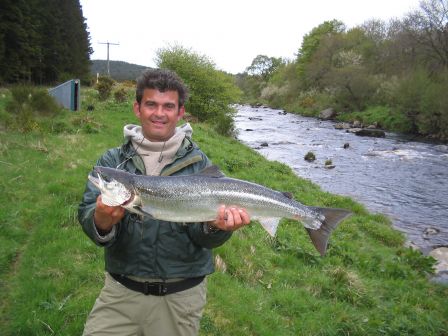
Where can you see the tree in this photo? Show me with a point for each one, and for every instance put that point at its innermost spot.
(43, 41)
(264, 66)
(18, 40)
(428, 27)
(311, 42)
(211, 91)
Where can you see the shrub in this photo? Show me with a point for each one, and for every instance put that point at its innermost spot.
(36, 100)
(44, 104)
(422, 98)
(120, 95)
(25, 104)
(104, 87)
(433, 115)
(224, 124)
(211, 91)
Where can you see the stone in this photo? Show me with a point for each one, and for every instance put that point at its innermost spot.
(327, 114)
(357, 124)
(371, 133)
(441, 255)
(310, 157)
(342, 125)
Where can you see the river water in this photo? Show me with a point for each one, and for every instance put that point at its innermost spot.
(405, 180)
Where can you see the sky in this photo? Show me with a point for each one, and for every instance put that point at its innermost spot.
(230, 33)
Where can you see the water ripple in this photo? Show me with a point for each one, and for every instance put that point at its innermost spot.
(406, 180)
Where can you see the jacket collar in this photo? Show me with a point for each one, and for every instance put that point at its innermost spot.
(131, 154)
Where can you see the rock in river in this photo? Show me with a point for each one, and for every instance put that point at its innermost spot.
(371, 132)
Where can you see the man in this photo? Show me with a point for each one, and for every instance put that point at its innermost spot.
(154, 269)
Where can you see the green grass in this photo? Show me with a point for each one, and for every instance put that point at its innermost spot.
(51, 274)
(384, 117)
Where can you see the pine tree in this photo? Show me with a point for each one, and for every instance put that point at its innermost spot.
(43, 41)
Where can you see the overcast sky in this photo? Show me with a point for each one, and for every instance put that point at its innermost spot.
(231, 33)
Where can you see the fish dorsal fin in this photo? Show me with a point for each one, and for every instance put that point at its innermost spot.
(288, 194)
(211, 171)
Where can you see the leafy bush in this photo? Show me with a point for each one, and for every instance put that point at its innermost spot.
(353, 87)
(104, 87)
(25, 104)
(422, 98)
(211, 91)
(433, 114)
(33, 100)
(120, 95)
(44, 104)
(224, 124)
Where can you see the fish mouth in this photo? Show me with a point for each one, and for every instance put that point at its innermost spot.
(96, 181)
(113, 192)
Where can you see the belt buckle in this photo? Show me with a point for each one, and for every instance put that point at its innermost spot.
(155, 288)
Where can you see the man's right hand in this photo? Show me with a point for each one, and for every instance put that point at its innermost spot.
(107, 216)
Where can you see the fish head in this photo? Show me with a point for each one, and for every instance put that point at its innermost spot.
(115, 185)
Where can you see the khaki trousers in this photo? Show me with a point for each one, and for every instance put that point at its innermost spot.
(121, 311)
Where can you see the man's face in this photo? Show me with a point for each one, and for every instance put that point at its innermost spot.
(159, 113)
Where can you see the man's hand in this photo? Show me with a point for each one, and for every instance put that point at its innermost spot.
(230, 218)
(106, 216)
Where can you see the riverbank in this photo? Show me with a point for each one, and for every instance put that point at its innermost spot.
(51, 273)
(401, 178)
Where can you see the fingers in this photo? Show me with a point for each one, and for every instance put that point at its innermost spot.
(106, 216)
(231, 218)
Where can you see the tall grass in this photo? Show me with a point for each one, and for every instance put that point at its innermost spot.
(51, 274)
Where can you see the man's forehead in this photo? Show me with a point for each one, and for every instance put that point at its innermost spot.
(173, 94)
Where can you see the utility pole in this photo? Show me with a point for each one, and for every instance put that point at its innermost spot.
(108, 43)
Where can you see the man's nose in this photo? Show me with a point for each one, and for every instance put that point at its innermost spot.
(159, 110)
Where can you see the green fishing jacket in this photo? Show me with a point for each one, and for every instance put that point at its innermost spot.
(146, 247)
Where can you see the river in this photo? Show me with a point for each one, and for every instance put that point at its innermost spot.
(405, 180)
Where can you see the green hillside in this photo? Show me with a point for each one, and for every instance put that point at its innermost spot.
(119, 70)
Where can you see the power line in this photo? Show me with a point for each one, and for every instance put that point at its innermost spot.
(108, 44)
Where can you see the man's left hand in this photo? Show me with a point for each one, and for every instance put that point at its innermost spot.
(230, 218)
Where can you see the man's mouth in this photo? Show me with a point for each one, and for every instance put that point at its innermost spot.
(158, 122)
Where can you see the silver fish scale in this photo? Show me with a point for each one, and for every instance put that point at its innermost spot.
(197, 198)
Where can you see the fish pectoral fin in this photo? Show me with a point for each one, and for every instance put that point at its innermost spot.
(270, 224)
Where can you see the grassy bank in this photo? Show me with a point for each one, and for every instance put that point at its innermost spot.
(50, 273)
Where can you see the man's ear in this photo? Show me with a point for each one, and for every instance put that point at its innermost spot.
(136, 109)
(181, 113)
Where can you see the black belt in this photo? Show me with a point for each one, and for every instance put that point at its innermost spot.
(157, 288)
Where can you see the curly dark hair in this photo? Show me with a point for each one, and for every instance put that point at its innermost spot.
(162, 80)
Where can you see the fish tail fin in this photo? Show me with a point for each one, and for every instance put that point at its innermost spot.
(320, 236)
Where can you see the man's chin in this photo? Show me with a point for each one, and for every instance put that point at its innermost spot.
(157, 135)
